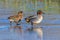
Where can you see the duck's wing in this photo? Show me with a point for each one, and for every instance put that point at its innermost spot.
(33, 16)
(30, 16)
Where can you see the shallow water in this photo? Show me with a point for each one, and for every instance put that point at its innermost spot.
(52, 27)
(50, 24)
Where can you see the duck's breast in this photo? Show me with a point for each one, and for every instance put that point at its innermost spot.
(38, 20)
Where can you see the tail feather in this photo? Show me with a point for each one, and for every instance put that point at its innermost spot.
(27, 20)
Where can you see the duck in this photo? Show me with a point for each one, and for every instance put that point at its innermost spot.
(16, 18)
(35, 19)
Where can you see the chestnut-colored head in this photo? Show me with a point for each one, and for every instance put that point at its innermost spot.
(39, 12)
(20, 12)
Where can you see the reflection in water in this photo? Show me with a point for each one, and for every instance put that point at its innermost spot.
(39, 31)
(16, 28)
(19, 29)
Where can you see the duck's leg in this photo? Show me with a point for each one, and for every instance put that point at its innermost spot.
(17, 22)
(10, 26)
(31, 26)
(10, 23)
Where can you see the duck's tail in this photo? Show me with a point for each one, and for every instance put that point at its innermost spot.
(27, 20)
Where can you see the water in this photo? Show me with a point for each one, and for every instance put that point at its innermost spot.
(52, 27)
(50, 24)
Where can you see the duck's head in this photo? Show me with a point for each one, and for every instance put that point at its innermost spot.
(20, 13)
(39, 12)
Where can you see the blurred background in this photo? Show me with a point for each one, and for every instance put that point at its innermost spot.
(50, 6)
